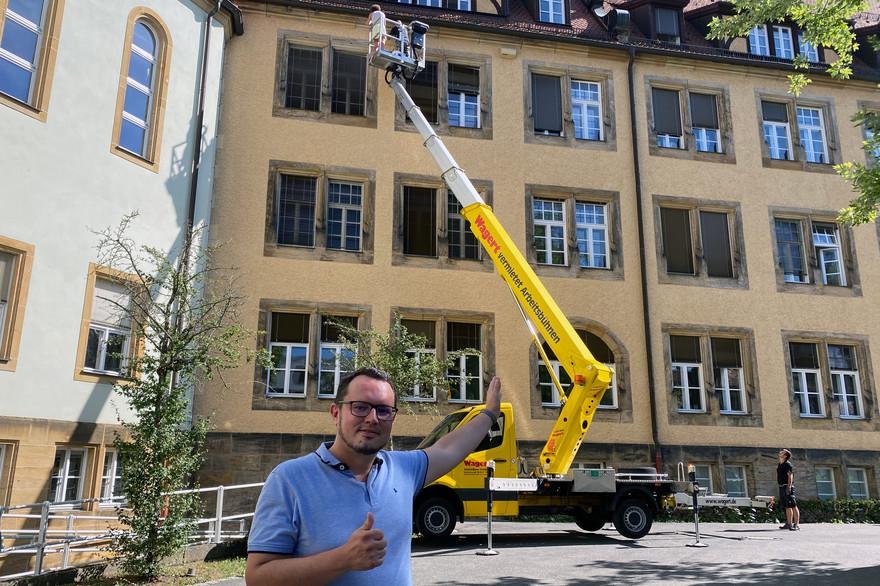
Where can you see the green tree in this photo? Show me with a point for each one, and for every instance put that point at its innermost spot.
(827, 24)
(185, 326)
(402, 354)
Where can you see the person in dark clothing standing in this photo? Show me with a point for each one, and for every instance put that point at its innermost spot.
(785, 479)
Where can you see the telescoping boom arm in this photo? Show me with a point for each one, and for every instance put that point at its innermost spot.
(399, 50)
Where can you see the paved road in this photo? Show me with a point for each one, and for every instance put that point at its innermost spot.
(559, 553)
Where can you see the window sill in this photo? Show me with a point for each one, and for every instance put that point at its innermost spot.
(285, 396)
(789, 165)
(691, 154)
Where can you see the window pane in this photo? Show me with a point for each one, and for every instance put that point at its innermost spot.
(716, 244)
(667, 114)
(303, 79)
(419, 221)
(804, 355)
(424, 92)
(790, 248)
(704, 111)
(677, 246)
(736, 480)
(296, 210)
(685, 349)
(290, 327)
(349, 84)
(546, 104)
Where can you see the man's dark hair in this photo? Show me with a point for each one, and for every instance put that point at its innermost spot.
(785, 453)
(369, 372)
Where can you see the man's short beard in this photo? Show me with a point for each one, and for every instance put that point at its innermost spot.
(362, 449)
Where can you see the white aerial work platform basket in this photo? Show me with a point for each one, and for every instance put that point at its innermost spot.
(395, 46)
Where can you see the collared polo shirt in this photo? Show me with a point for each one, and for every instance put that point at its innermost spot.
(314, 503)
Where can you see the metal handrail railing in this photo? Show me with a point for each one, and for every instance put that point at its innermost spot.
(43, 541)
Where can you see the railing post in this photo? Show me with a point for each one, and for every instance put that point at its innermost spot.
(218, 528)
(41, 546)
(66, 556)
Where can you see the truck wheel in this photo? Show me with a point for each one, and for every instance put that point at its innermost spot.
(435, 518)
(633, 518)
(590, 521)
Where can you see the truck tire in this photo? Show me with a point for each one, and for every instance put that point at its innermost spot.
(435, 518)
(633, 518)
(590, 521)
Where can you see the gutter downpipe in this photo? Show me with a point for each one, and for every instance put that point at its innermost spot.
(652, 391)
(194, 178)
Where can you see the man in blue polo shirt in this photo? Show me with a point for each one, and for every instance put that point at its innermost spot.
(343, 514)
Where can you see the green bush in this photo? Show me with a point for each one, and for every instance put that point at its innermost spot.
(812, 511)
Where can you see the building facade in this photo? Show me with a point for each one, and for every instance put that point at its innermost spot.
(99, 104)
(678, 203)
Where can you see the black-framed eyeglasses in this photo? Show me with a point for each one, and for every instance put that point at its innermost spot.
(362, 409)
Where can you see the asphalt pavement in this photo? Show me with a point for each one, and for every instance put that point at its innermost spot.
(560, 553)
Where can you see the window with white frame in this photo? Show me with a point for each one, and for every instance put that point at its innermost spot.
(703, 477)
(549, 226)
(795, 246)
(687, 373)
(316, 214)
(600, 351)
(139, 90)
(466, 377)
(825, 487)
(335, 359)
(68, 475)
(21, 47)
(591, 224)
(667, 118)
(427, 329)
(344, 215)
(586, 109)
(109, 336)
(812, 132)
(736, 481)
(826, 241)
(549, 392)
(110, 479)
(782, 42)
(704, 122)
(463, 95)
(845, 385)
(857, 479)
(807, 379)
(790, 247)
(551, 11)
(777, 133)
(289, 351)
(809, 52)
(727, 369)
(758, 43)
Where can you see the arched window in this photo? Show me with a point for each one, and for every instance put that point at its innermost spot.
(600, 351)
(140, 105)
(139, 86)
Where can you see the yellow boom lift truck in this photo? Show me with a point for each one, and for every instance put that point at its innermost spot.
(629, 498)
